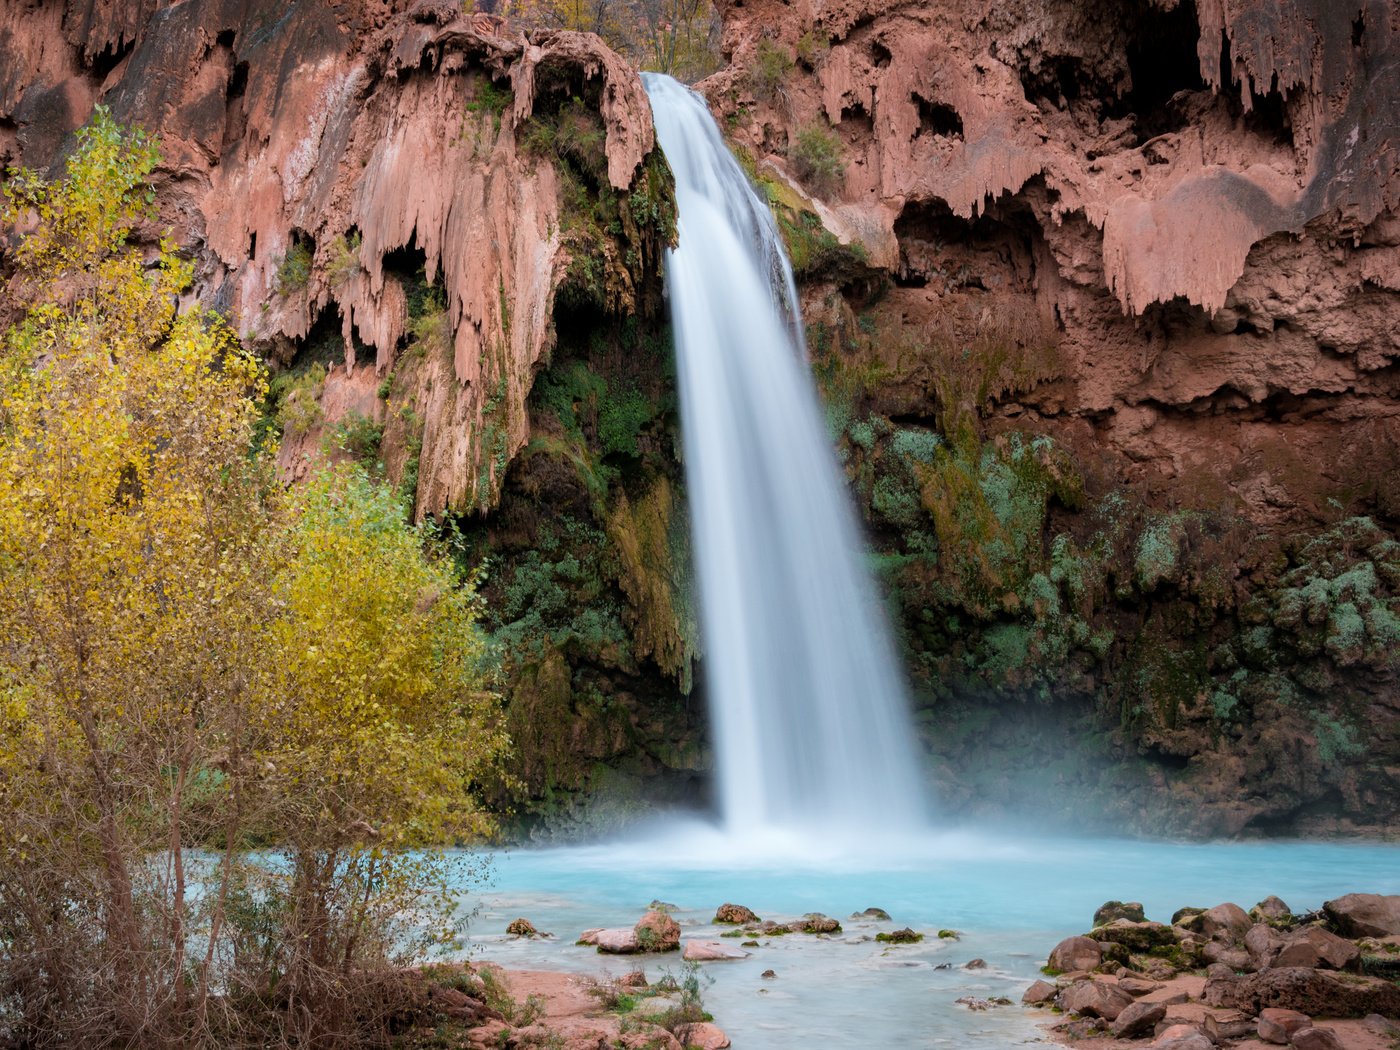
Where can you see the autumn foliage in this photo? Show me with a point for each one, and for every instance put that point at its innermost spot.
(235, 723)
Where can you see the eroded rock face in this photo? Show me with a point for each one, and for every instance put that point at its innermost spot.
(1076, 223)
(364, 138)
(1047, 163)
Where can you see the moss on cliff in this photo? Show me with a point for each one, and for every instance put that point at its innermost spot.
(1196, 652)
(588, 581)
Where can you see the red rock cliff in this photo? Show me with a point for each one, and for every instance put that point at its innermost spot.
(1195, 202)
(355, 132)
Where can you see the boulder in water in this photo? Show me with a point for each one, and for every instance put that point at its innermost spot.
(711, 951)
(1111, 910)
(904, 936)
(657, 932)
(733, 915)
(815, 922)
(1038, 993)
(614, 942)
(871, 915)
(522, 928)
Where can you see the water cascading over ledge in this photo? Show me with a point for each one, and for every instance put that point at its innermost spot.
(812, 726)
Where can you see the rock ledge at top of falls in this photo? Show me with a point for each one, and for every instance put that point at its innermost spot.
(317, 122)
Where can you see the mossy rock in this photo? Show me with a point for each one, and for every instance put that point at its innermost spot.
(904, 936)
(1135, 936)
(1112, 910)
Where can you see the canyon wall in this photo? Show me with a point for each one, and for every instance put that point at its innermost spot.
(1104, 300)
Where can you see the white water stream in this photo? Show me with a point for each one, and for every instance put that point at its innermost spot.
(811, 723)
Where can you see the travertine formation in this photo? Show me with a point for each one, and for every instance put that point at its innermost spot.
(1194, 202)
(352, 132)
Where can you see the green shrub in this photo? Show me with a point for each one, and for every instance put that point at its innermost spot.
(815, 154)
(295, 399)
(809, 45)
(428, 324)
(360, 436)
(345, 259)
(771, 65)
(294, 270)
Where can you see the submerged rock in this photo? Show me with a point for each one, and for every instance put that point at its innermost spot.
(904, 936)
(873, 914)
(711, 951)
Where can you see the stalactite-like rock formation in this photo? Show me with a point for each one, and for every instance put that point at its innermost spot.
(355, 136)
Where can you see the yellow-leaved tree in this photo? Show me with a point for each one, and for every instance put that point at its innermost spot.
(165, 699)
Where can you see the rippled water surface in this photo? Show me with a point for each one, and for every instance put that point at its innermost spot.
(1012, 899)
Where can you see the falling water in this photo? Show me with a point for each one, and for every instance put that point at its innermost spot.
(811, 723)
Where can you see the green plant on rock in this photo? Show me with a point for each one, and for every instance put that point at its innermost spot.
(489, 98)
(1342, 597)
(770, 68)
(429, 326)
(344, 262)
(815, 154)
(294, 269)
(810, 46)
(360, 436)
(295, 399)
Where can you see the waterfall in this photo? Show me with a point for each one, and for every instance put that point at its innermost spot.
(811, 723)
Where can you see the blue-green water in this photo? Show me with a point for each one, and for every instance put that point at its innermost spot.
(1012, 899)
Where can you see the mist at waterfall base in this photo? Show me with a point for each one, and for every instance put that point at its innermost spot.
(822, 808)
